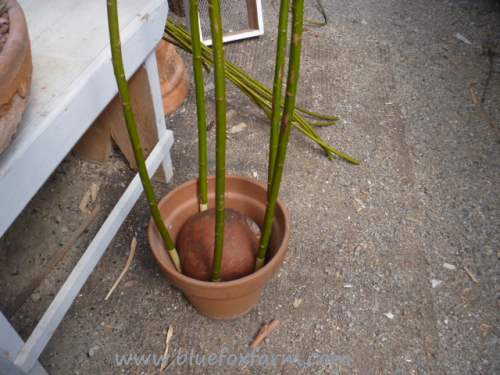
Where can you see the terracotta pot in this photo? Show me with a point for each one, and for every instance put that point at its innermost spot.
(230, 299)
(173, 76)
(15, 74)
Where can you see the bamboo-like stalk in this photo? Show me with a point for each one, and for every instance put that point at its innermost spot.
(121, 80)
(261, 94)
(286, 126)
(220, 138)
(279, 74)
(194, 15)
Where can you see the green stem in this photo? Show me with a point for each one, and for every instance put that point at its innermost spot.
(200, 105)
(317, 115)
(121, 80)
(259, 93)
(220, 138)
(323, 123)
(182, 38)
(279, 73)
(300, 123)
(286, 126)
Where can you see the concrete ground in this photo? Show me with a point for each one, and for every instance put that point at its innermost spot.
(381, 266)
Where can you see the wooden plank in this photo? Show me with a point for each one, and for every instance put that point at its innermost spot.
(95, 145)
(142, 104)
(157, 100)
(148, 106)
(10, 345)
(147, 103)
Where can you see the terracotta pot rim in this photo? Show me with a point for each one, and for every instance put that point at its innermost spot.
(14, 51)
(268, 267)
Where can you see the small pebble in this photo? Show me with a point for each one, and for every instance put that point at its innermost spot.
(35, 297)
(130, 284)
(462, 38)
(389, 315)
(93, 350)
(449, 266)
(435, 283)
(238, 128)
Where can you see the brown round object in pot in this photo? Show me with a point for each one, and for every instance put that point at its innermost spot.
(196, 244)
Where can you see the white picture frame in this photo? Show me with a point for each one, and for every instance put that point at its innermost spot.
(255, 18)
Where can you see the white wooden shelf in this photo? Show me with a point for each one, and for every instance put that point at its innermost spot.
(73, 82)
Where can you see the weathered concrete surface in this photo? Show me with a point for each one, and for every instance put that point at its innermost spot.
(369, 242)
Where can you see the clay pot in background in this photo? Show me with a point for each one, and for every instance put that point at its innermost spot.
(15, 74)
(173, 76)
(228, 299)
